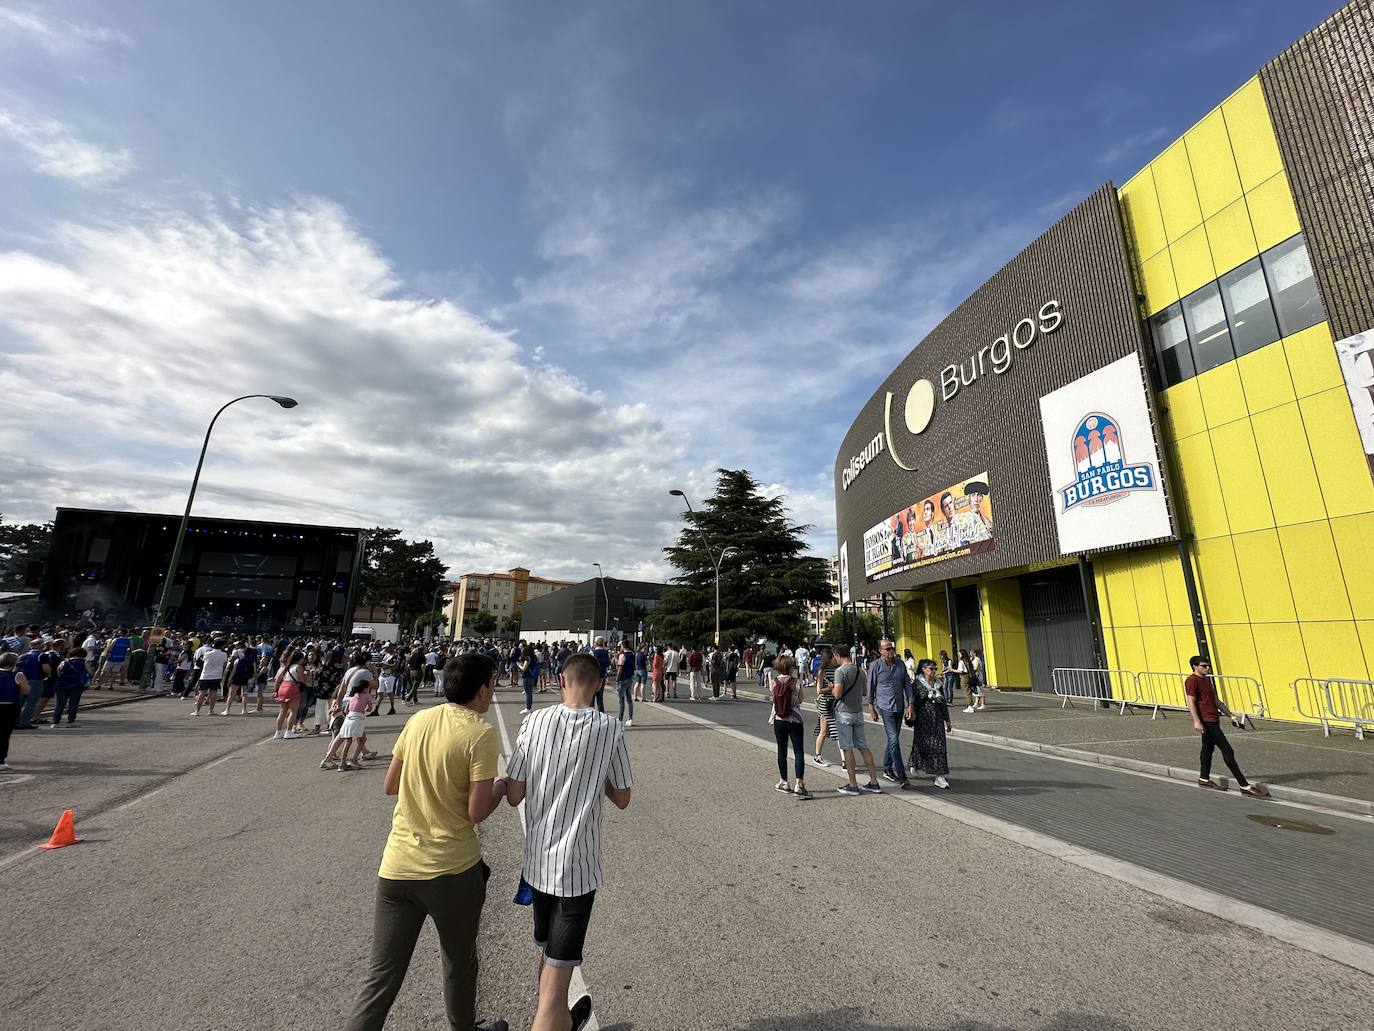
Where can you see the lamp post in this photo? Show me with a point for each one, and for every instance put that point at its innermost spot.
(432, 627)
(285, 402)
(601, 578)
(714, 556)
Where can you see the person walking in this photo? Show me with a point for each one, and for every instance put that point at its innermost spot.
(979, 669)
(567, 760)
(290, 678)
(826, 727)
(930, 721)
(14, 688)
(602, 656)
(717, 671)
(624, 675)
(849, 713)
(672, 662)
(213, 659)
(787, 721)
(528, 667)
(949, 677)
(963, 669)
(656, 673)
(889, 699)
(70, 681)
(1207, 709)
(442, 773)
(694, 661)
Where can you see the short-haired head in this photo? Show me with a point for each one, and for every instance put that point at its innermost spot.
(465, 676)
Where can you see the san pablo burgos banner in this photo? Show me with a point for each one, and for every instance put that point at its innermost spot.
(1104, 467)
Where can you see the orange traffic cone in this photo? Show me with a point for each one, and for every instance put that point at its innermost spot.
(64, 833)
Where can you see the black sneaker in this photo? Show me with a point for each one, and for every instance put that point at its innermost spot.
(848, 789)
(491, 1025)
(889, 775)
(908, 786)
(581, 1012)
(871, 787)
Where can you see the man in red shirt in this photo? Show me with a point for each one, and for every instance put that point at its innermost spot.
(1206, 709)
(694, 672)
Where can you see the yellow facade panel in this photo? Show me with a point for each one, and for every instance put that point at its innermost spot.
(1008, 661)
(1309, 553)
(1115, 587)
(1184, 404)
(1185, 644)
(1214, 166)
(1161, 649)
(1125, 647)
(1218, 575)
(1337, 452)
(1200, 486)
(1259, 557)
(1233, 650)
(1252, 135)
(1177, 196)
(1286, 459)
(1140, 211)
(1354, 536)
(1171, 568)
(1282, 660)
(1334, 649)
(1272, 214)
(1365, 629)
(1231, 237)
(1151, 599)
(1265, 379)
(1157, 282)
(1192, 256)
(1223, 398)
(1242, 478)
(1312, 360)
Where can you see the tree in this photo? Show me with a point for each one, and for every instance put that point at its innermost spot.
(20, 544)
(766, 582)
(399, 573)
(434, 618)
(483, 622)
(839, 630)
(511, 626)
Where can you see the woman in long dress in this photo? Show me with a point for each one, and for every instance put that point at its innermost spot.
(929, 753)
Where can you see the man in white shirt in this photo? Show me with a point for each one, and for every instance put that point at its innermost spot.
(566, 760)
(672, 662)
(213, 660)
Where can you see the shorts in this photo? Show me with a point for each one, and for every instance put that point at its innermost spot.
(289, 693)
(388, 685)
(354, 725)
(851, 728)
(560, 926)
(640, 676)
(208, 685)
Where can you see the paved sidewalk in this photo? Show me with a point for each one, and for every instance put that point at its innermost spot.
(1293, 761)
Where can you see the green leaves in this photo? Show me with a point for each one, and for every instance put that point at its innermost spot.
(400, 573)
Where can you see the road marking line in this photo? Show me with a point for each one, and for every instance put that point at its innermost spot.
(577, 986)
(15, 778)
(1333, 946)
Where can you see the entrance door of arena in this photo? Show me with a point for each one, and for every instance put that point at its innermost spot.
(1057, 629)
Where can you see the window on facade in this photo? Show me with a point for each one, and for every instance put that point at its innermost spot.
(1206, 320)
(1289, 271)
(1171, 345)
(1248, 308)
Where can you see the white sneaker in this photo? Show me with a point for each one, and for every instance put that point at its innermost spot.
(968, 708)
(940, 782)
(6, 768)
(276, 735)
(524, 712)
(291, 735)
(629, 723)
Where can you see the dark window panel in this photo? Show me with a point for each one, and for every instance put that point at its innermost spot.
(1248, 308)
(1170, 337)
(1205, 317)
(1288, 269)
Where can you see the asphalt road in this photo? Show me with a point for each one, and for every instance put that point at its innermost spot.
(226, 882)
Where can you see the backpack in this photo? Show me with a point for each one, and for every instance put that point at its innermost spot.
(782, 697)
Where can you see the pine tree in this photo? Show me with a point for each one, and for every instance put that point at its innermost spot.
(766, 579)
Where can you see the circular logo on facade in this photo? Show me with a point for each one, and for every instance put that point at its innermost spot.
(920, 405)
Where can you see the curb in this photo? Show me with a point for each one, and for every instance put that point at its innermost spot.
(107, 703)
(1304, 796)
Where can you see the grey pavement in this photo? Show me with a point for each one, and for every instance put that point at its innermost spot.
(239, 894)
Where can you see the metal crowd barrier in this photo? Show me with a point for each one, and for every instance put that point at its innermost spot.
(1350, 701)
(1099, 686)
(1310, 702)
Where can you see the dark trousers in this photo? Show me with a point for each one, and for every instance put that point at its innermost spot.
(454, 902)
(785, 731)
(67, 698)
(892, 748)
(179, 682)
(528, 685)
(9, 712)
(1212, 737)
(626, 690)
(598, 699)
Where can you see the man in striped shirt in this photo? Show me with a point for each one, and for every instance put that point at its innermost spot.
(566, 760)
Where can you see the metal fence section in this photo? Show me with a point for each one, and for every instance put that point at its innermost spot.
(1310, 701)
(1243, 696)
(1099, 686)
(1350, 701)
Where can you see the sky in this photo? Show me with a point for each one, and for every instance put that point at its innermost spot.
(528, 265)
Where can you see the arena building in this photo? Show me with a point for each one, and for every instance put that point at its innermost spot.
(1149, 434)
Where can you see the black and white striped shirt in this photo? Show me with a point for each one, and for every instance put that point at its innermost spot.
(565, 756)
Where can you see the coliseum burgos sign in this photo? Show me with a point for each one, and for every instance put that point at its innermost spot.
(918, 410)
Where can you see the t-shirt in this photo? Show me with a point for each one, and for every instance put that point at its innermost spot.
(1205, 692)
(852, 695)
(443, 751)
(627, 665)
(213, 662)
(119, 650)
(361, 702)
(694, 661)
(565, 757)
(355, 679)
(671, 660)
(603, 659)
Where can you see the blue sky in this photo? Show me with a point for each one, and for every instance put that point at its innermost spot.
(527, 265)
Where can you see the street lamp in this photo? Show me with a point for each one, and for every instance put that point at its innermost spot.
(433, 624)
(602, 578)
(715, 557)
(285, 402)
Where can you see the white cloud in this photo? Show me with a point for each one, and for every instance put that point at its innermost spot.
(125, 339)
(52, 148)
(57, 35)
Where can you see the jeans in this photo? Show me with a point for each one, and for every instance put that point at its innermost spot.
(68, 698)
(892, 750)
(1212, 737)
(950, 680)
(454, 902)
(785, 731)
(9, 711)
(529, 693)
(25, 710)
(627, 698)
(599, 699)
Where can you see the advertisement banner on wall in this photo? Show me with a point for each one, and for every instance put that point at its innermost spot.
(1356, 355)
(1104, 467)
(844, 573)
(954, 522)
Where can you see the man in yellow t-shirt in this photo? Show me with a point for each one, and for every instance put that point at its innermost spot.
(442, 771)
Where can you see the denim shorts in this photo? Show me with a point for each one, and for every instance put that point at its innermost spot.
(851, 728)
